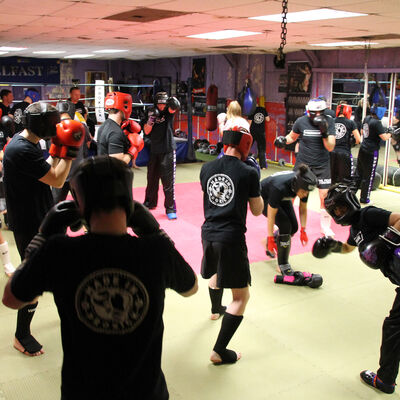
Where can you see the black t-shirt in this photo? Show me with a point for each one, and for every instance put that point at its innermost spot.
(5, 109)
(258, 120)
(372, 128)
(371, 222)
(227, 184)
(110, 306)
(329, 112)
(28, 199)
(312, 151)
(162, 134)
(277, 188)
(344, 128)
(17, 111)
(80, 108)
(111, 139)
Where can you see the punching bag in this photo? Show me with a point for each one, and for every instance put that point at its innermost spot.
(211, 109)
(249, 99)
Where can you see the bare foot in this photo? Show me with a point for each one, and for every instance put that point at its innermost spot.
(22, 349)
(216, 316)
(229, 357)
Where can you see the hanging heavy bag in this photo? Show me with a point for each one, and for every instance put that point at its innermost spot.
(249, 100)
(211, 109)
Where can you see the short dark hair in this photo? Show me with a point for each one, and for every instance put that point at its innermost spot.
(73, 88)
(5, 92)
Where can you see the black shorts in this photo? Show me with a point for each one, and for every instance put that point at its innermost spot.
(323, 175)
(229, 261)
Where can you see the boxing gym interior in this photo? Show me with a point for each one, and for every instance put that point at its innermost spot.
(296, 342)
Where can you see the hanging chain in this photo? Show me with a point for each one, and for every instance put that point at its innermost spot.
(283, 28)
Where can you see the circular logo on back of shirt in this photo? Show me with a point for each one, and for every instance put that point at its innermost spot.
(220, 190)
(111, 302)
(258, 118)
(340, 130)
(18, 116)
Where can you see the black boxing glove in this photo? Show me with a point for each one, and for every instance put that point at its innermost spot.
(152, 114)
(325, 245)
(322, 123)
(57, 220)
(7, 123)
(280, 142)
(173, 103)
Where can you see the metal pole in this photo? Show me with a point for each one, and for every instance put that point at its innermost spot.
(190, 156)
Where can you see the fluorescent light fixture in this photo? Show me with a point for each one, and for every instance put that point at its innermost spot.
(3, 52)
(5, 48)
(310, 15)
(339, 44)
(109, 51)
(49, 52)
(225, 34)
(79, 56)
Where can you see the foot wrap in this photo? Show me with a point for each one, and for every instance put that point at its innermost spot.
(30, 345)
(227, 357)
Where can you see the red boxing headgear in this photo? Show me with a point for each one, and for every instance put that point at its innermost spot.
(119, 101)
(240, 138)
(344, 109)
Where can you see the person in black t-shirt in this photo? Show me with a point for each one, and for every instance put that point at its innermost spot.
(17, 111)
(162, 162)
(74, 96)
(372, 133)
(257, 130)
(278, 192)
(27, 180)
(110, 303)
(346, 133)
(375, 232)
(228, 184)
(111, 138)
(7, 98)
(316, 134)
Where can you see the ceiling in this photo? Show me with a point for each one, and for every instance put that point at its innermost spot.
(151, 29)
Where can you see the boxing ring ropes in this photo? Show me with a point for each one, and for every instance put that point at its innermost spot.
(100, 89)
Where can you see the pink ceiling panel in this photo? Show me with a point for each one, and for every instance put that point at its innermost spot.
(87, 10)
(33, 8)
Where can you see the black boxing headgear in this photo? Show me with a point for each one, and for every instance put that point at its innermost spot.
(41, 119)
(8, 126)
(66, 107)
(304, 179)
(160, 98)
(102, 183)
(343, 197)
(240, 138)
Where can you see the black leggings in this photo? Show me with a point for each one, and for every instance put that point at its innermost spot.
(341, 166)
(366, 169)
(285, 218)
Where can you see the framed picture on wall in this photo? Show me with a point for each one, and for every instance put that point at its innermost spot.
(92, 77)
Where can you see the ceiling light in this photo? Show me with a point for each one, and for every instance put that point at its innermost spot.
(225, 34)
(109, 51)
(339, 44)
(3, 52)
(5, 48)
(79, 56)
(311, 15)
(49, 52)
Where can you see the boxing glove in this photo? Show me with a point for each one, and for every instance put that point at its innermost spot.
(253, 163)
(303, 236)
(280, 142)
(136, 144)
(130, 126)
(69, 138)
(57, 220)
(322, 123)
(325, 245)
(7, 123)
(152, 114)
(300, 279)
(272, 249)
(173, 103)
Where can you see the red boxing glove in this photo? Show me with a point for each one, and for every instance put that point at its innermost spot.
(303, 236)
(55, 147)
(70, 136)
(272, 250)
(136, 144)
(130, 126)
